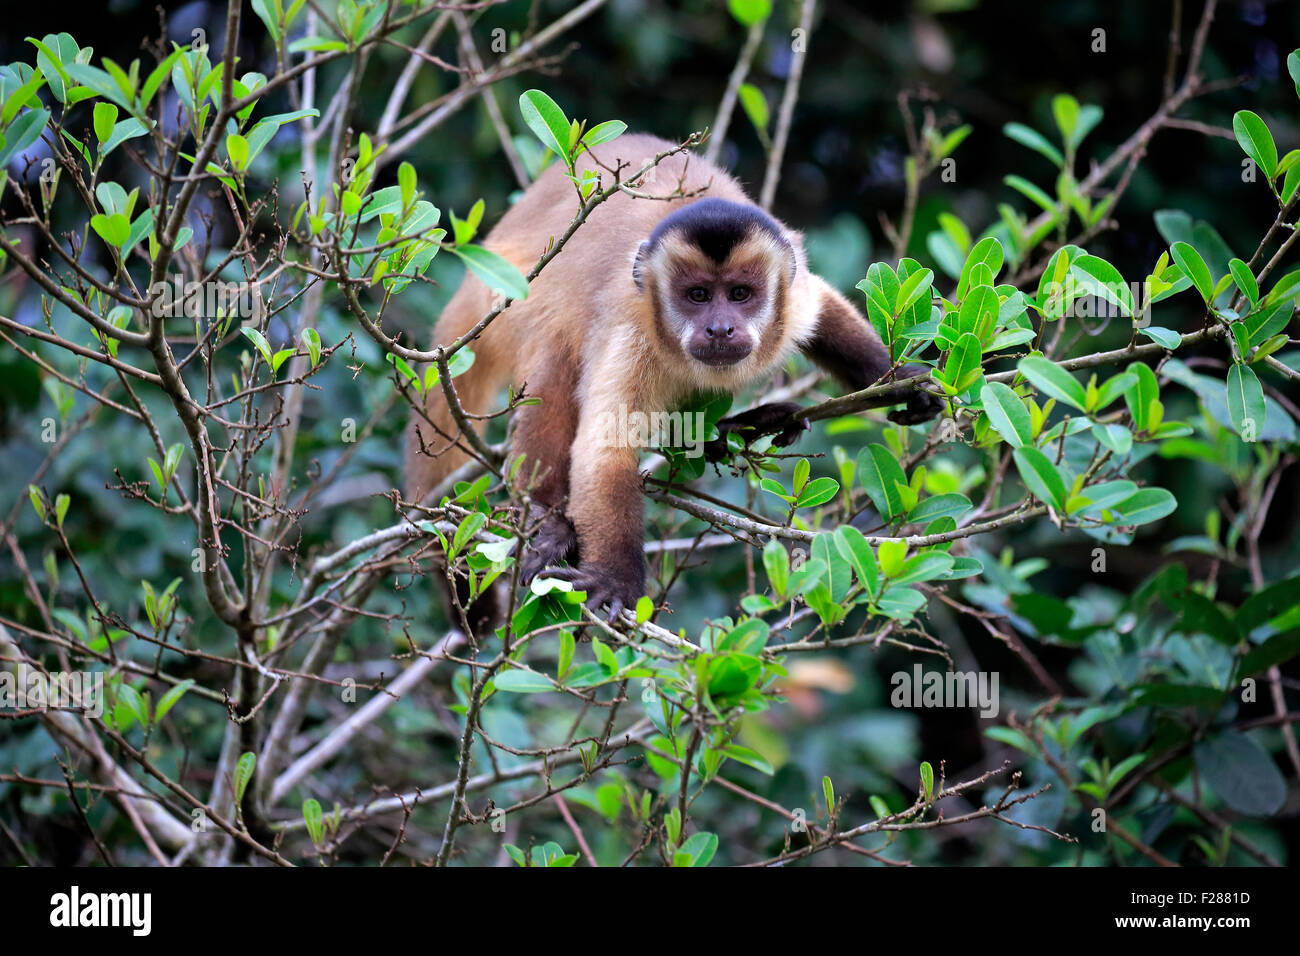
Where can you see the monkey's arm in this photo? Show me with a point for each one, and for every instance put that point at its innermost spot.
(847, 346)
(780, 419)
(605, 506)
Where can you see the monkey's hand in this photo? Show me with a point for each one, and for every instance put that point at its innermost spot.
(775, 418)
(606, 585)
(555, 541)
(921, 405)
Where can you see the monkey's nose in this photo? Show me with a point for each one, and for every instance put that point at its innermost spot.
(715, 331)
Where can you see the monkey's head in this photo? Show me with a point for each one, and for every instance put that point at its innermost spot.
(718, 274)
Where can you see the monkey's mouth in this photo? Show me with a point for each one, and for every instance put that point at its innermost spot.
(719, 356)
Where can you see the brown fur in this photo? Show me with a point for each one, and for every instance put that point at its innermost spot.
(586, 340)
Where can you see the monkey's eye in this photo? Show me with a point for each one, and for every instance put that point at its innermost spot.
(739, 293)
(697, 294)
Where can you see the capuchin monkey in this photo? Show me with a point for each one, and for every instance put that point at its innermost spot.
(649, 302)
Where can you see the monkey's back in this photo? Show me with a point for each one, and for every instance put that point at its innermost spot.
(601, 251)
(572, 299)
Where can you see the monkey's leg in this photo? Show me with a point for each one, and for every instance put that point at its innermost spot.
(434, 445)
(544, 434)
(847, 346)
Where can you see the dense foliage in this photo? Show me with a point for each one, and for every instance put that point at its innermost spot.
(220, 267)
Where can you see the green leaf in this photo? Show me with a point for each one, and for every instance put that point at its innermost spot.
(1245, 280)
(950, 505)
(1253, 135)
(747, 637)
(603, 133)
(750, 12)
(496, 272)
(1065, 110)
(547, 121)
(924, 567)
(854, 547)
(699, 848)
(1007, 414)
(1241, 772)
(901, 604)
(258, 340)
(127, 129)
(927, 780)
(881, 474)
(169, 699)
(951, 141)
(129, 707)
(22, 133)
(1102, 279)
(1272, 602)
(105, 118)
(1031, 192)
(1149, 504)
(1193, 266)
(468, 528)
(776, 561)
(266, 13)
(1041, 477)
(1050, 379)
(518, 681)
(890, 555)
(1054, 293)
(917, 285)
(1245, 401)
(114, 229)
(311, 341)
(1115, 437)
(244, 768)
(750, 758)
(731, 675)
(979, 310)
(316, 44)
(1165, 338)
(1034, 140)
(1278, 649)
(818, 492)
(1115, 386)
(963, 368)
(237, 150)
(774, 487)
(987, 251)
(157, 76)
(754, 103)
(314, 819)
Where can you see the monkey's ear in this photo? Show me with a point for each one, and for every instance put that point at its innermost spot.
(638, 263)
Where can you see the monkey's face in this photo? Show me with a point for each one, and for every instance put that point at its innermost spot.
(720, 315)
(719, 312)
(719, 278)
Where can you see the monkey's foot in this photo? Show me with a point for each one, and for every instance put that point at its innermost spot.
(554, 542)
(605, 586)
(759, 421)
(921, 407)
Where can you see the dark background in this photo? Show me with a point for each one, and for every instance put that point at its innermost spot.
(662, 67)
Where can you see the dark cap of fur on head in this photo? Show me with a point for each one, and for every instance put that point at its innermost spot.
(715, 227)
